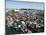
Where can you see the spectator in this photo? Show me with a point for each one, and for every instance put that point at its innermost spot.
(9, 21)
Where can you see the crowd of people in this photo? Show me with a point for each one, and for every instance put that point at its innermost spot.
(24, 24)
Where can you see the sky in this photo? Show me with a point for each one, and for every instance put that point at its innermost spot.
(17, 4)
